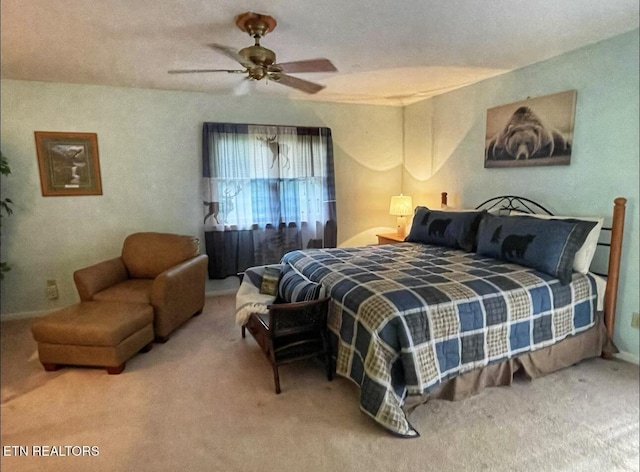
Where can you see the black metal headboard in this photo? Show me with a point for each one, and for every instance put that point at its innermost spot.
(512, 202)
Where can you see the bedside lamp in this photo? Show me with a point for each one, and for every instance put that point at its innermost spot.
(401, 206)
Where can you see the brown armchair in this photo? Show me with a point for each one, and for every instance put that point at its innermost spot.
(164, 270)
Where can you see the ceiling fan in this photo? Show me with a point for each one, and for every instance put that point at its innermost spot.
(260, 63)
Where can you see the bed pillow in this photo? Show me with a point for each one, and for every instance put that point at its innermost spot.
(455, 229)
(295, 287)
(549, 246)
(585, 254)
(269, 282)
(493, 210)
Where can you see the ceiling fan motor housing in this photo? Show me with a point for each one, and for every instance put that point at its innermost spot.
(259, 55)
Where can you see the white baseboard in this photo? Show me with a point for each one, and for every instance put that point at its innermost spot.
(627, 357)
(36, 314)
(24, 315)
(623, 356)
(216, 293)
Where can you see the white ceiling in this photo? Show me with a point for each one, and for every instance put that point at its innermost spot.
(386, 52)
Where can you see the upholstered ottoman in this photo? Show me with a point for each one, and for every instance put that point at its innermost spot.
(104, 334)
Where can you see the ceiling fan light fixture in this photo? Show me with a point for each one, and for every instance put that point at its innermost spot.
(257, 73)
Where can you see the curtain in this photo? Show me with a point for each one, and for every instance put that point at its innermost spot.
(268, 190)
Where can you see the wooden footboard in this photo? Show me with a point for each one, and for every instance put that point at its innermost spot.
(613, 272)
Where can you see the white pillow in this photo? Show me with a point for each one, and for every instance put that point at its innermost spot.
(493, 211)
(584, 256)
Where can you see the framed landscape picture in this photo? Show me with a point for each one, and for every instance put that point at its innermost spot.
(533, 132)
(68, 163)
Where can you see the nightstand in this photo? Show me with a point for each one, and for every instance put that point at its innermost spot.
(390, 238)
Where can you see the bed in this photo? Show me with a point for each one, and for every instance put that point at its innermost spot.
(442, 316)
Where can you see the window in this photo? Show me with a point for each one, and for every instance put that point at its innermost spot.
(277, 179)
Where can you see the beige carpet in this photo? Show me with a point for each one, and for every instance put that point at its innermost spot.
(204, 401)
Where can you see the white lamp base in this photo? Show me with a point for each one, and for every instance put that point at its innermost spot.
(401, 225)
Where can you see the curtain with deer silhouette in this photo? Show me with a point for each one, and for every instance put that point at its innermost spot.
(267, 190)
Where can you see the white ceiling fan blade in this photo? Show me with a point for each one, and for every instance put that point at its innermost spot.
(244, 87)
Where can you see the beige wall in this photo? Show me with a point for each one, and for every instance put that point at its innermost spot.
(150, 159)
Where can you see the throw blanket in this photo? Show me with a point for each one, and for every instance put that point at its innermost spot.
(248, 298)
(409, 316)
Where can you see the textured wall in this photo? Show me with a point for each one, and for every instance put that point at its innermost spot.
(149, 144)
(150, 159)
(444, 148)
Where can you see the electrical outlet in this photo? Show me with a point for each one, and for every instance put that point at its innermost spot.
(52, 290)
(635, 320)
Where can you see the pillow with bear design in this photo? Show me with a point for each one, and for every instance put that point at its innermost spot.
(585, 254)
(549, 246)
(454, 229)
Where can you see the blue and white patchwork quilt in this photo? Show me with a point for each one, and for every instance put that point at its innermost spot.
(409, 316)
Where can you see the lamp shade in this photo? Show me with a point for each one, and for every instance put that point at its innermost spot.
(401, 205)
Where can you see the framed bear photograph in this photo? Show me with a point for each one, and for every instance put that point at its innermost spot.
(532, 132)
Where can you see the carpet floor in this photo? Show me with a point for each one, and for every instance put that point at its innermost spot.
(205, 401)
